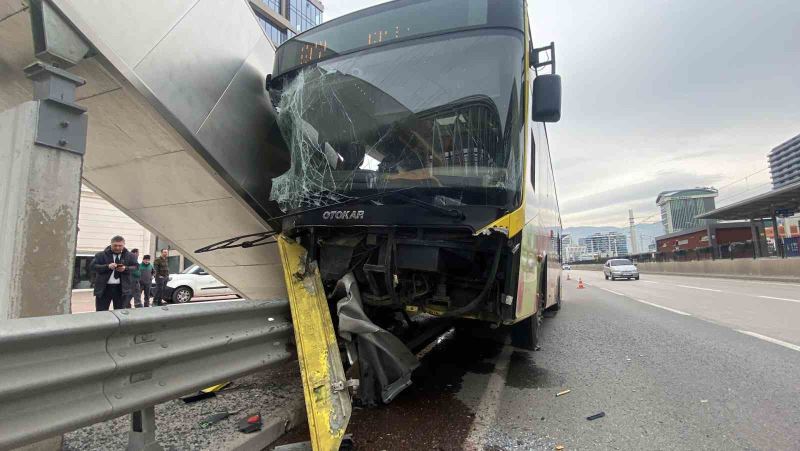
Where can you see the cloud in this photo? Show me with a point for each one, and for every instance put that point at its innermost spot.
(612, 204)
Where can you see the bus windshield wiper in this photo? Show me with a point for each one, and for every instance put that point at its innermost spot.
(260, 239)
(398, 194)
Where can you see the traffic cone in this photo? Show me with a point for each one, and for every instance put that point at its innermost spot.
(580, 283)
(568, 277)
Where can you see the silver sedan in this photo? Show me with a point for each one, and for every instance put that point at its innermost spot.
(620, 268)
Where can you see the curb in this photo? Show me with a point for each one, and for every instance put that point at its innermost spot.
(713, 276)
(728, 276)
(277, 424)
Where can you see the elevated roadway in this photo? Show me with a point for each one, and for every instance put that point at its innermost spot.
(179, 122)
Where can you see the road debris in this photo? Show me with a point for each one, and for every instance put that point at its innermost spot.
(198, 397)
(596, 416)
(559, 447)
(299, 446)
(250, 423)
(561, 393)
(215, 418)
(215, 388)
(347, 445)
(703, 400)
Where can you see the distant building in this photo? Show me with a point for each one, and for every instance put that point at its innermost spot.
(282, 19)
(573, 251)
(608, 244)
(784, 163)
(713, 237)
(679, 208)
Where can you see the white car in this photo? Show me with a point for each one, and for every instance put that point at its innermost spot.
(194, 281)
(566, 267)
(620, 268)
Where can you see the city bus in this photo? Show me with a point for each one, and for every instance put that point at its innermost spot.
(421, 183)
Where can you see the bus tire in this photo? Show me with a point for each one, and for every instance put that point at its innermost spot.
(525, 334)
(557, 306)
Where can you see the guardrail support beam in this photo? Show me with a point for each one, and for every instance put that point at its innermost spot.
(142, 436)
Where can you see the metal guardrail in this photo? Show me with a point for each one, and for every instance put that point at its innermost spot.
(60, 373)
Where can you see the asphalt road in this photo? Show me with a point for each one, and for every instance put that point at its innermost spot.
(666, 379)
(673, 363)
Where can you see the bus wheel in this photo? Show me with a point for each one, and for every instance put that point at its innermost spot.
(557, 306)
(525, 334)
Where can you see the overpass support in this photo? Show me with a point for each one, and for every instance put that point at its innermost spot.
(776, 235)
(41, 144)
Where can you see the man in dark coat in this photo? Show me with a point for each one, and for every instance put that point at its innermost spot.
(161, 268)
(114, 268)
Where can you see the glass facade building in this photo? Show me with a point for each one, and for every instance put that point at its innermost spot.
(609, 244)
(680, 208)
(283, 19)
(784, 163)
(274, 5)
(277, 35)
(304, 15)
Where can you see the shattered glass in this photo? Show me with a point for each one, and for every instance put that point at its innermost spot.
(310, 181)
(407, 116)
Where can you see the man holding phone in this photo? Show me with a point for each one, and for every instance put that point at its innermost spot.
(114, 268)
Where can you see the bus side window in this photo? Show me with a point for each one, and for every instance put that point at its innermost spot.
(533, 161)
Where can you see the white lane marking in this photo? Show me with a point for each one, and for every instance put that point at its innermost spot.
(486, 412)
(648, 281)
(648, 303)
(771, 340)
(700, 288)
(612, 291)
(780, 299)
(665, 308)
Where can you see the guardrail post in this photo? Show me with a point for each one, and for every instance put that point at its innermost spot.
(142, 436)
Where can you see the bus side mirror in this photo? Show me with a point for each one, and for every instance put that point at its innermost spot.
(546, 104)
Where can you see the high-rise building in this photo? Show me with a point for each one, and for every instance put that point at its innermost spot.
(608, 244)
(282, 19)
(572, 251)
(679, 208)
(784, 163)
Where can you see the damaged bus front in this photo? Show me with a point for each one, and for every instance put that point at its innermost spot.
(420, 180)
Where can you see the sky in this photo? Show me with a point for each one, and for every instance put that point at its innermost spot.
(661, 95)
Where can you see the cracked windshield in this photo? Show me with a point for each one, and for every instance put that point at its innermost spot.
(416, 114)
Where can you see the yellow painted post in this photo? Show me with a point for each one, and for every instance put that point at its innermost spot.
(328, 404)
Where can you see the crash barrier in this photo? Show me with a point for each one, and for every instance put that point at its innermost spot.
(778, 268)
(762, 268)
(60, 373)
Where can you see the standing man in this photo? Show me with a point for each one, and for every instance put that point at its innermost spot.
(146, 273)
(135, 275)
(114, 267)
(161, 267)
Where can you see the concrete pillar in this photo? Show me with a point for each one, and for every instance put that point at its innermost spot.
(41, 147)
(756, 240)
(711, 232)
(776, 235)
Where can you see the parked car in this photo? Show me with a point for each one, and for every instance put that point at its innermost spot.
(194, 281)
(620, 268)
(566, 267)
